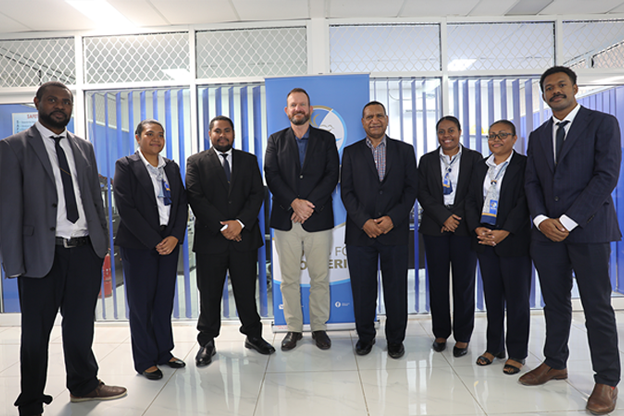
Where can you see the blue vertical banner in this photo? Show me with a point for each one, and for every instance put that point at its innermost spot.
(337, 102)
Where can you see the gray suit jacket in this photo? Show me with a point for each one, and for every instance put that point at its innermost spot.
(28, 201)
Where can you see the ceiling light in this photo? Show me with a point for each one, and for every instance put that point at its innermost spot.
(460, 64)
(101, 13)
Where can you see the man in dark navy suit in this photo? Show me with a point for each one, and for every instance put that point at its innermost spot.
(225, 191)
(378, 189)
(573, 166)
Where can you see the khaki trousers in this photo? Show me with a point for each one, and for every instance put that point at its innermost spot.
(291, 245)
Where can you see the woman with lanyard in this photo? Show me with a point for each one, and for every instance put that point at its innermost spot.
(498, 215)
(151, 201)
(444, 176)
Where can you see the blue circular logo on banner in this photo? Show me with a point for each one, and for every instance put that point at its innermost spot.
(328, 119)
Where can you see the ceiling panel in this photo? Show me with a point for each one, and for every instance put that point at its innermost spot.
(438, 7)
(272, 9)
(189, 12)
(492, 7)
(581, 6)
(8, 25)
(342, 9)
(140, 12)
(35, 14)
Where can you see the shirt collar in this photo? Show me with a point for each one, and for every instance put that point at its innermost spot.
(570, 117)
(161, 160)
(305, 136)
(46, 132)
(228, 153)
(490, 160)
(443, 156)
(369, 143)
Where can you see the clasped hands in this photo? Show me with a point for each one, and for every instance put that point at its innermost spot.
(489, 237)
(302, 210)
(232, 231)
(553, 229)
(378, 226)
(167, 245)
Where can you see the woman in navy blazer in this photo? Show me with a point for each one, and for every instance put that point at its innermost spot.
(151, 201)
(498, 216)
(444, 175)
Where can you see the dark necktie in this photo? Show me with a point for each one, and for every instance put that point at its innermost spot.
(559, 138)
(68, 185)
(226, 166)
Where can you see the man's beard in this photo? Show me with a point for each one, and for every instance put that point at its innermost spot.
(300, 121)
(48, 120)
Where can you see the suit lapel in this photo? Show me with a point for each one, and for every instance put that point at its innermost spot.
(545, 141)
(215, 164)
(140, 172)
(437, 174)
(82, 166)
(292, 150)
(576, 130)
(368, 157)
(462, 179)
(35, 140)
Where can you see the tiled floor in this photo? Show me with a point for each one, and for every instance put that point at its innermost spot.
(308, 381)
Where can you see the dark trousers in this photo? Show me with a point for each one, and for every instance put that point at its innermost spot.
(211, 271)
(590, 262)
(363, 265)
(150, 288)
(441, 253)
(72, 285)
(506, 281)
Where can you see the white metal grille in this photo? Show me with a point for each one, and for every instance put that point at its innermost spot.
(31, 62)
(384, 48)
(582, 39)
(252, 52)
(500, 46)
(611, 58)
(151, 57)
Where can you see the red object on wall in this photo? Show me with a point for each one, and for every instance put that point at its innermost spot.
(107, 277)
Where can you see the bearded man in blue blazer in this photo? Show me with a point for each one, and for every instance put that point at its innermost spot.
(573, 166)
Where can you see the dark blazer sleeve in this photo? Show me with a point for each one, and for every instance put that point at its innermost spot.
(248, 214)
(132, 214)
(474, 198)
(320, 195)
(282, 191)
(178, 219)
(401, 210)
(355, 207)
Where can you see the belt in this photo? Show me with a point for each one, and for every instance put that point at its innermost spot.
(72, 242)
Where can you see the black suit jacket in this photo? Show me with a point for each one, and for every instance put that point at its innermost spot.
(513, 212)
(430, 193)
(580, 185)
(214, 200)
(314, 181)
(139, 225)
(28, 200)
(365, 196)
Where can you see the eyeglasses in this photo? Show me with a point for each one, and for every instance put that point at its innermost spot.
(502, 136)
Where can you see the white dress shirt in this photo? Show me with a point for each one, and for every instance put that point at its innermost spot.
(454, 174)
(163, 210)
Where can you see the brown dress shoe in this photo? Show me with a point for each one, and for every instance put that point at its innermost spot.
(602, 399)
(322, 340)
(101, 392)
(290, 340)
(542, 374)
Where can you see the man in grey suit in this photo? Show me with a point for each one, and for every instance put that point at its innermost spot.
(573, 166)
(53, 227)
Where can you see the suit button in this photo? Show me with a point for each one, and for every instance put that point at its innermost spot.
(380, 192)
(54, 205)
(52, 228)
(556, 199)
(300, 176)
(229, 202)
(379, 213)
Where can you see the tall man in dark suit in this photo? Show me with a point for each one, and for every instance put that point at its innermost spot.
(301, 169)
(573, 166)
(225, 191)
(53, 229)
(378, 189)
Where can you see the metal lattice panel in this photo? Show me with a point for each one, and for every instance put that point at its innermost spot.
(252, 52)
(150, 57)
(500, 46)
(384, 48)
(611, 58)
(31, 62)
(581, 39)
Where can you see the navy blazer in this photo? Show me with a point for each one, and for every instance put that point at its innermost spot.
(139, 226)
(314, 181)
(29, 199)
(431, 197)
(580, 185)
(365, 196)
(513, 212)
(214, 200)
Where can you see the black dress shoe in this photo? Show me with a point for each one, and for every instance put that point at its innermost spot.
(290, 340)
(322, 340)
(260, 345)
(396, 350)
(439, 346)
(460, 352)
(153, 375)
(363, 348)
(205, 354)
(176, 363)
